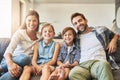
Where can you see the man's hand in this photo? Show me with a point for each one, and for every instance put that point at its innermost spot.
(112, 47)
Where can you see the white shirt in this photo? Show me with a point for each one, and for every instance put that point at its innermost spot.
(91, 48)
(67, 61)
(20, 44)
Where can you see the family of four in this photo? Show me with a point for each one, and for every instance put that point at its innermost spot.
(81, 56)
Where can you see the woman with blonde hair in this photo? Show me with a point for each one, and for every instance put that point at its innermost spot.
(20, 50)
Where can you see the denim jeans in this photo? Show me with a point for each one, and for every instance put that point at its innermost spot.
(21, 60)
(7, 76)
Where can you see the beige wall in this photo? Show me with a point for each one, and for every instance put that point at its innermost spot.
(15, 16)
(18, 13)
(59, 14)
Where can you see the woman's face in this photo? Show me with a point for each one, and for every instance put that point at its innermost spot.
(31, 23)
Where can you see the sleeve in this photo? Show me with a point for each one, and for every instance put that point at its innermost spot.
(13, 43)
(77, 55)
(105, 32)
(60, 55)
(109, 32)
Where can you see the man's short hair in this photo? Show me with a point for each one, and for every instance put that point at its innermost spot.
(77, 14)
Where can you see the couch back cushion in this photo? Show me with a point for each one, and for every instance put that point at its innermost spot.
(3, 45)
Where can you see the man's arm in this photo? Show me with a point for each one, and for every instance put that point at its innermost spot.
(112, 46)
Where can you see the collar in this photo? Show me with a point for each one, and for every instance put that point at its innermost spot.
(65, 45)
(44, 44)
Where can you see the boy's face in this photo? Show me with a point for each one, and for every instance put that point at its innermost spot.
(79, 23)
(68, 37)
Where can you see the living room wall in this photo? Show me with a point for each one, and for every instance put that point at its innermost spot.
(59, 14)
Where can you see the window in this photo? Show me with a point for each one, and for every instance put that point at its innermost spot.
(5, 18)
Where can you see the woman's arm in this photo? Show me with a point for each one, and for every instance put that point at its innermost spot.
(13, 68)
(16, 38)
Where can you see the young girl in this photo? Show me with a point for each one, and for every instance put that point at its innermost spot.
(69, 55)
(45, 55)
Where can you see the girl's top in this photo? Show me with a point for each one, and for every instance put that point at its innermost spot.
(45, 52)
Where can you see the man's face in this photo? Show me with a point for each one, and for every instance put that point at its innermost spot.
(79, 23)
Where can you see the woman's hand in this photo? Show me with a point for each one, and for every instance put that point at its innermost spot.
(14, 69)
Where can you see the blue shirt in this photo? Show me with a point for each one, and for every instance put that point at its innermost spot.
(45, 52)
(104, 35)
(74, 53)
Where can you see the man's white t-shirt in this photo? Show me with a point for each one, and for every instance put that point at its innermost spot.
(91, 48)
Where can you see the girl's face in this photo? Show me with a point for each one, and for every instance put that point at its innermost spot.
(48, 33)
(31, 23)
(68, 37)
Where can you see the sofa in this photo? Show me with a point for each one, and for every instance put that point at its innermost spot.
(4, 42)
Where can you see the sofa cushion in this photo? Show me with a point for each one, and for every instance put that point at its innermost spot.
(3, 45)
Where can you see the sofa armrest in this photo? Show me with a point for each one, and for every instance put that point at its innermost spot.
(3, 45)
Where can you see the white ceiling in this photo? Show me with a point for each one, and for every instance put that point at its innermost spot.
(73, 1)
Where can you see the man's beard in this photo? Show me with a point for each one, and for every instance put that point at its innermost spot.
(80, 32)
